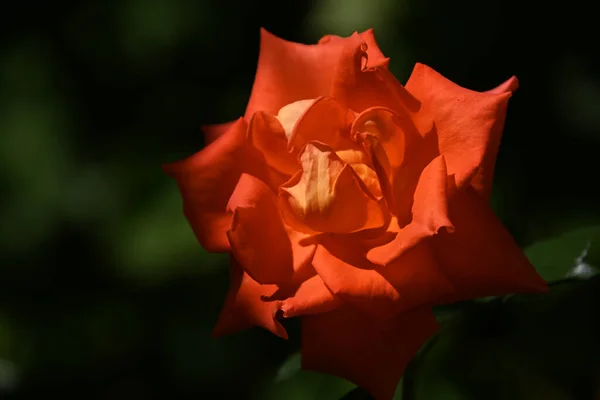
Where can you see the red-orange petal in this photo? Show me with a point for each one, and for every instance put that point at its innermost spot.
(386, 127)
(480, 257)
(371, 354)
(245, 306)
(482, 181)
(469, 124)
(325, 120)
(213, 132)
(207, 179)
(266, 248)
(413, 279)
(289, 71)
(374, 53)
(328, 196)
(510, 85)
(268, 136)
(311, 297)
(392, 140)
(429, 214)
(359, 87)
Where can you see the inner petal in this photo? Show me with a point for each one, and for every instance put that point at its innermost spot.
(369, 177)
(328, 195)
(360, 163)
(290, 113)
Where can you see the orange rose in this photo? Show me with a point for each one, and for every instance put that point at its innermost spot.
(354, 202)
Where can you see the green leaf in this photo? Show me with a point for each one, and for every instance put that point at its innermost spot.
(557, 257)
(357, 394)
(290, 367)
(306, 385)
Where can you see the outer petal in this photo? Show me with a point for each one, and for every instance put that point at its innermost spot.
(410, 281)
(359, 87)
(480, 257)
(510, 85)
(213, 132)
(311, 297)
(289, 71)
(371, 354)
(374, 53)
(328, 196)
(469, 124)
(207, 179)
(482, 181)
(244, 306)
(267, 250)
(429, 214)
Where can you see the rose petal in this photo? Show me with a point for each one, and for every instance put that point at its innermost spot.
(374, 53)
(268, 250)
(469, 124)
(369, 178)
(297, 71)
(384, 125)
(411, 280)
(207, 179)
(358, 86)
(392, 140)
(213, 132)
(311, 297)
(510, 85)
(244, 306)
(429, 214)
(325, 120)
(482, 181)
(289, 115)
(268, 136)
(368, 353)
(328, 196)
(480, 257)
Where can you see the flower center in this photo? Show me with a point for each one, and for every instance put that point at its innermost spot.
(329, 195)
(360, 162)
(336, 190)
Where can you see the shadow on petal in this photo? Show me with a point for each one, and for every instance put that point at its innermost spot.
(266, 248)
(244, 306)
(268, 136)
(469, 124)
(207, 179)
(413, 279)
(480, 257)
(370, 354)
(429, 214)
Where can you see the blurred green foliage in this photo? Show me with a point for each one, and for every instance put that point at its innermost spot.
(524, 347)
(104, 292)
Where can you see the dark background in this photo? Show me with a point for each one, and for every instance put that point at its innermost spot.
(104, 292)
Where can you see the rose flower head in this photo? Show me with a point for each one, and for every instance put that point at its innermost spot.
(353, 202)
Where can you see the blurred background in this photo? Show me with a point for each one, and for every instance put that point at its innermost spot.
(104, 291)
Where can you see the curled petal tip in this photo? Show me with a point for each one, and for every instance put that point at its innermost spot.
(509, 86)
